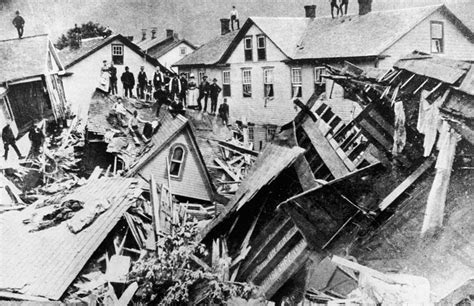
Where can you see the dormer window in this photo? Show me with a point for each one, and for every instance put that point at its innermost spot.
(261, 48)
(437, 37)
(177, 159)
(248, 49)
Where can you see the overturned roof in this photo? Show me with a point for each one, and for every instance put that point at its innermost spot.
(44, 263)
(22, 58)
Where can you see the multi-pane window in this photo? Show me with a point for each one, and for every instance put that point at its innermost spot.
(437, 37)
(268, 83)
(226, 83)
(271, 132)
(251, 134)
(177, 156)
(318, 75)
(117, 54)
(296, 82)
(261, 48)
(247, 83)
(248, 48)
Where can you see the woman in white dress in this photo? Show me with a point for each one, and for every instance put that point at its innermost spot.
(104, 77)
(193, 92)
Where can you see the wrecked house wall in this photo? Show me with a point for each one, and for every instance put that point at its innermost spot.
(191, 182)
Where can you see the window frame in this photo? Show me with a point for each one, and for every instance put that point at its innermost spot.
(247, 83)
(319, 79)
(226, 89)
(182, 162)
(433, 39)
(261, 50)
(182, 50)
(270, 135)
(296, 84)
(248, 50)
(268, 82)
(201, 74)
(117, 58)
(251, 133)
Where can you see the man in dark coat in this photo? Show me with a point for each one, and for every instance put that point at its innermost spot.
(19, 23)
(113, 79)
(36, 137)
(128, 81)
(174, 87)
(158, 78)
(203, 93)
(184, 88)
(214, 91)
(9, 140)
(142, 81)
(161, 97)
(224, 112)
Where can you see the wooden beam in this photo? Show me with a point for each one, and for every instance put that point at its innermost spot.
(376, 135)
(24, 297)
(234, 176)
(200, 262)
(236, 149)
(388, 200)
(155, 206)
(324, 149)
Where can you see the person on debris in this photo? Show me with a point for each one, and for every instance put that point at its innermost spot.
(134, 128)
(36, 137)
(224, 112)
(184, 88)
(19, 23)
(128, 81)
(148, 91)
(166, 80)
(192, 92)
(158, 78)
(214, 91)
(203, 93)
(176, 108)
(113, 79)
(105, 77)
(9, 140)
(150, 129)
(345, 4)
(234, 17)
(119, 111)
(334, 5)
(161, 98)
(174, 87)
(142, 81)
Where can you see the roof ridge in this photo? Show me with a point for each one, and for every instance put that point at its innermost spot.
(24, 37)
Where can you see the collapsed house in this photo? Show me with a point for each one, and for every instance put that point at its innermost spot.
(289, 216)
(30, 86)
(172, 155)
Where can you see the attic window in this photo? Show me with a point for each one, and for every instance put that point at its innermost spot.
(248, 48)
(261, 48)
(177, 158)
(437, 37)
(182, 50)
(117, 54)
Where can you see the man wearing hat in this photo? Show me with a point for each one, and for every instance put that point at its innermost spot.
(203, 93)
(19, 23)
(184, 88)
(9, 140)
(36, 137)
(128, 81)
(142, 81)
(214, 91)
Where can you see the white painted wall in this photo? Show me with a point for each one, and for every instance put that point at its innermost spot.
(174, 55)
(80, 86)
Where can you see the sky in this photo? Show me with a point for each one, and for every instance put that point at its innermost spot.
(195, 20)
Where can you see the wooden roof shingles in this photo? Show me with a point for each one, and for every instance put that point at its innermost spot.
(22, 58)
(44, 263)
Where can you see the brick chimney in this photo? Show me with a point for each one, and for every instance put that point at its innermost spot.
(169, 33)
(143, 34)
(153, 32)
(225, 26)
(310, 11)
(365, 6)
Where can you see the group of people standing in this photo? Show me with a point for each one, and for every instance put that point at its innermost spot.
(35, 135)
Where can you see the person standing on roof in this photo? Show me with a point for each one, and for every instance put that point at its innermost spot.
(344, 3)
(104, 77)
(161, 98)
(36, 137)
(142, 81)
(224, 112)
(203, 93)
(158, 78)
(19, 23)
(214, 91)
(113, 79)
(128, 81)
(119, 111)
(234, 17)
(174, 87)
(192, 92)
(184, 88)
(9, 140)
(334, 5)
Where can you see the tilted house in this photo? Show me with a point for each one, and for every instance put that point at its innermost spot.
(172, 156)
(166, 50)
(30, 86)
(84, 65)
(272, 60)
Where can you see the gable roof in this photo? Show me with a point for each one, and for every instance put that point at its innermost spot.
(44, 263)
(70, 57)
(158, 47)
(22, 58)
(209, 53)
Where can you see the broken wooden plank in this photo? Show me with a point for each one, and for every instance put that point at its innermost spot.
(155, 205)
(388, 200)
(95, 174)
(128, 294)
(379, 138)
(324, 149)
(236, 149)
(226, 169)
(200, 262)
